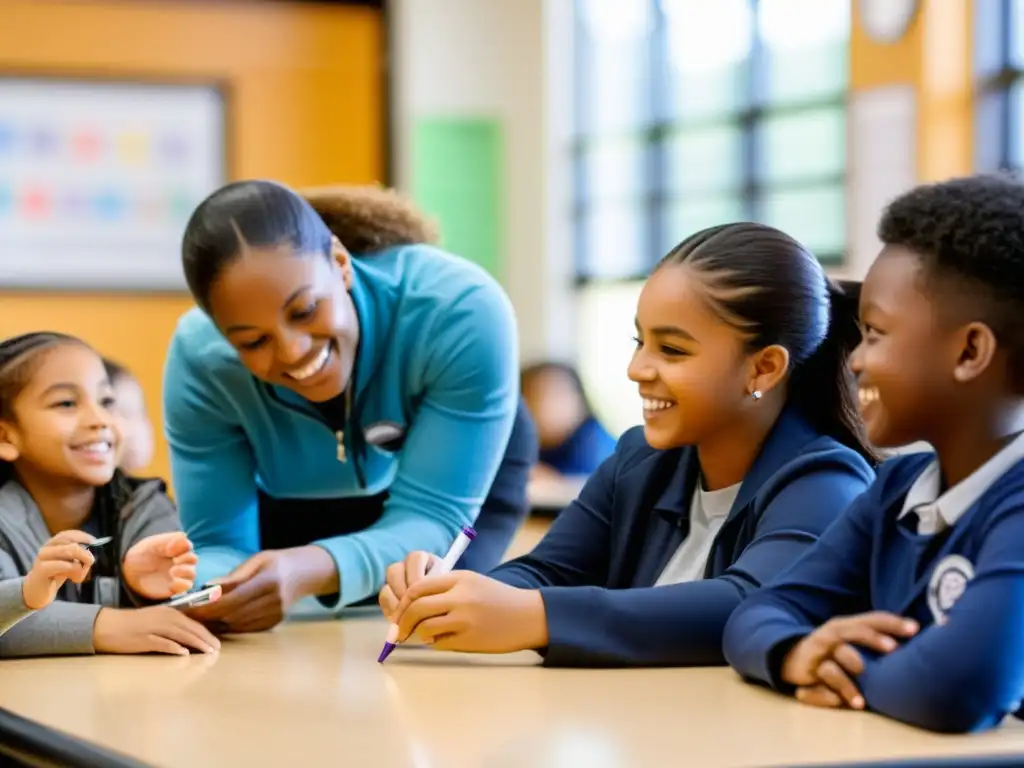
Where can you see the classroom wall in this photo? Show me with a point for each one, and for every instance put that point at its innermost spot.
(507, 61)
(910, 112)
(305, 108)
(911, 115)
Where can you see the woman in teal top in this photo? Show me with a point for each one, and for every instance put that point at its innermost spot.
(327, 414)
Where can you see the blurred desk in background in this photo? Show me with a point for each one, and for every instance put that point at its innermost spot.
(549, 497)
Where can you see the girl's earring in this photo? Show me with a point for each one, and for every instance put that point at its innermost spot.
(756, 394)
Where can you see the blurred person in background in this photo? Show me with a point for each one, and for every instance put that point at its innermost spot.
(132, 418)
(573, 442)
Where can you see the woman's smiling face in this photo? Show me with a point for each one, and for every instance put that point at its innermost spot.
(290, 317)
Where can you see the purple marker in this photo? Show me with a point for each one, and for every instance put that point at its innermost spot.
(466, 535)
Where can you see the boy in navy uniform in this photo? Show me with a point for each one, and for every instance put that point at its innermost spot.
(912, 604)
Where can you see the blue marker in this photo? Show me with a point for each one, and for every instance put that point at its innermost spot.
(466, 535)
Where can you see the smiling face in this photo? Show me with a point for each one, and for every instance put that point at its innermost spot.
(61, 424)
(692, 369)
(290, 317)
(906, 360)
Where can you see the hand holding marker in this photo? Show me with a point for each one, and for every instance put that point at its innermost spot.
(466, 535)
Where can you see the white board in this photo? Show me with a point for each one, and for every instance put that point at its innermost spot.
(98, 178)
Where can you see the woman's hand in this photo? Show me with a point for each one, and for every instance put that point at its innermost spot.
(402, 575)
(157, 629)
(259, 592)
(466, 611)
(160, 566)
(60, 559)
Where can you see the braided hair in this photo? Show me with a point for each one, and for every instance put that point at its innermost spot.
(770, 287)
(20, 358)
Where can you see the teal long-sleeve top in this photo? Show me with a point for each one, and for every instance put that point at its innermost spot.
(436, 373)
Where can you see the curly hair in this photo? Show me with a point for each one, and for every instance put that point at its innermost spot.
(368, 219)
(969, 235)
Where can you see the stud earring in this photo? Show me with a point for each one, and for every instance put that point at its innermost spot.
(756, 394)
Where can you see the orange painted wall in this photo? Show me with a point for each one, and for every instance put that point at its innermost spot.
(935, 56)
(306, 107)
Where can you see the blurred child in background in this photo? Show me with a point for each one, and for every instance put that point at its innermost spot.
(572, 440)
(132, 418)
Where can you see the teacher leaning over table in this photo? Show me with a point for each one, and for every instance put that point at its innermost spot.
(344, 394)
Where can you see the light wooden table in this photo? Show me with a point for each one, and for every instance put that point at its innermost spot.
(312, 694)
(530, 533)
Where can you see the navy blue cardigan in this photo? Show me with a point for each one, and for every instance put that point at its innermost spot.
(596, 567)
(964, 675)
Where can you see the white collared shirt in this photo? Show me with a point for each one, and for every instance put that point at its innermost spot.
(937, 512)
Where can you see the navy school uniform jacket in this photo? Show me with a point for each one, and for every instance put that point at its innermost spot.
(962, 675)
(597, 565)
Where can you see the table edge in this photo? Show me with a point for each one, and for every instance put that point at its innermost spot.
(29, 742)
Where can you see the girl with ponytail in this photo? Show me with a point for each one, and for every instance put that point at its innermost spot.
(751, 447)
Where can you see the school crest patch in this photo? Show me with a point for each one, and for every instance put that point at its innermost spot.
(947, 584)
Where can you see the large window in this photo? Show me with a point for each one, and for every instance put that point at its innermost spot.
(999, 55)
(691, 113)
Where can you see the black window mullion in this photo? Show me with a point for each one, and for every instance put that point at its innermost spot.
(751, 116)
(581, 102)
(659, 125)
(580, 207)
(656, 156)
(1005, 102)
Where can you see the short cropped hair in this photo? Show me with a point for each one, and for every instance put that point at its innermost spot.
(969, 234)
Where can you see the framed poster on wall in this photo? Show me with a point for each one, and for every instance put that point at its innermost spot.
(98, 178)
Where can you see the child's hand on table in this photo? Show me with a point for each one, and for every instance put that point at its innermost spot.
(157, 629)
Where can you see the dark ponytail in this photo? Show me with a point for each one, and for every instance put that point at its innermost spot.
(369, 219)
(832, 410)
(774, 291)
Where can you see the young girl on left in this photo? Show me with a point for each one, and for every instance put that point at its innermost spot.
(60, 491)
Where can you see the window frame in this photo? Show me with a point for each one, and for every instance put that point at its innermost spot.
(658, 127)
(998, 76)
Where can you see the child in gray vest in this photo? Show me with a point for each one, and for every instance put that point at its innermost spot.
(62, 590)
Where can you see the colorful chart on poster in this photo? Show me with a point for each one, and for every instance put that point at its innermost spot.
(97, 180)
